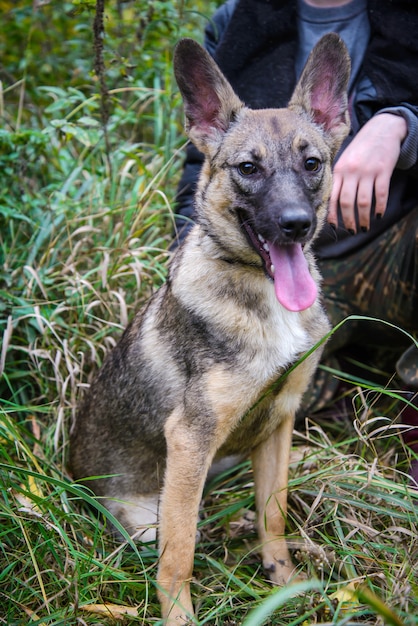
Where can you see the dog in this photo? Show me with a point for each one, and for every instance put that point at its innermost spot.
(194, 377)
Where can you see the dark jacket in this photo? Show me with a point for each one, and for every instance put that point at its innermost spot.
(255, 44)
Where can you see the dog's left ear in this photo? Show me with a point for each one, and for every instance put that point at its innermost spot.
(210, 103)
(322, 89)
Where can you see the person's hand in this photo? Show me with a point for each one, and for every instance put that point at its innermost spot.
(365, 168)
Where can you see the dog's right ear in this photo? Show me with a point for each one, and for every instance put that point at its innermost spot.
(210, 103)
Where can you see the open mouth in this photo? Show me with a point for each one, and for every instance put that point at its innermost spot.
(261, 246)
(287, 266)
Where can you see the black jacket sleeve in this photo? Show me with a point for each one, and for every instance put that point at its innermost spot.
(186, 191)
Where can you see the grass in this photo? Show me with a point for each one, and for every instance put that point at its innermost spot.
(352, 529)
(82, 247)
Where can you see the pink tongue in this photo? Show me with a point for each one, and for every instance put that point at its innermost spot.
(295, 288)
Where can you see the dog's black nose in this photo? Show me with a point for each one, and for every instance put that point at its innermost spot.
(295, 224)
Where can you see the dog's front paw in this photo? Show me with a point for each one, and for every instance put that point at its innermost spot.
(178, 620)
(178, 611)
(281, 571)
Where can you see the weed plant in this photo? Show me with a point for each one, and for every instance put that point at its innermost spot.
(86, 222)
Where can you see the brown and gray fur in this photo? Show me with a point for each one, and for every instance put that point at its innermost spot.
(170, 398)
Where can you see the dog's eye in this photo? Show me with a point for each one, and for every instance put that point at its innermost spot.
(247, 168)
(312, 164)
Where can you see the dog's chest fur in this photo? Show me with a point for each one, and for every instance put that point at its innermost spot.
(240, 306)
(239, 342)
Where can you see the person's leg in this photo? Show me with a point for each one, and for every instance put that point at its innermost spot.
(379, 281)
(408, 373)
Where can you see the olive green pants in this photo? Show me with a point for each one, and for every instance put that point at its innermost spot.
(379, 281)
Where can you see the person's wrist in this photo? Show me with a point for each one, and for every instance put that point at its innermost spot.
(396, 123)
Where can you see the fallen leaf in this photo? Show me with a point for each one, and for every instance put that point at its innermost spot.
(33, 616)
(116, 611)
(346, 594)
(34, 488)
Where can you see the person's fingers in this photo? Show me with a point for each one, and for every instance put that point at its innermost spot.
(363, 172)
(334, 199)
(381, 192)
(347, 201)
(364, 201)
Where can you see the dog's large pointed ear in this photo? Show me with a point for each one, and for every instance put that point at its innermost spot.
(210, 104)
(322, 89)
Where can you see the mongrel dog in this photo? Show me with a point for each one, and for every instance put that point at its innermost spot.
(182, 388)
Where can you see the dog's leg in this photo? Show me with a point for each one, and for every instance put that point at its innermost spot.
(188, 461)
(270, 465)
(271, 468)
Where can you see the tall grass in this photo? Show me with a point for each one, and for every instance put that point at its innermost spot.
(82, 246)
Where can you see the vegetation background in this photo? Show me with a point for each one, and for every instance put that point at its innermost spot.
(91, 139)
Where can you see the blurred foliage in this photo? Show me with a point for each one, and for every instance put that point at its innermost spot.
(50, 96)
(64, 171)
(50, 42)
